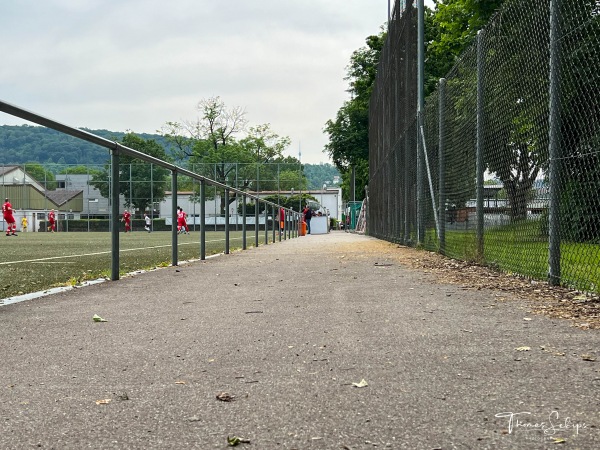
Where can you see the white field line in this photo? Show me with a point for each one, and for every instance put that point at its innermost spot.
(99, 253)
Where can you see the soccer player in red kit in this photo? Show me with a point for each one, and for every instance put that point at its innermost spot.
(7, 212)
(127, 220)
(182, 226)
(51, 221)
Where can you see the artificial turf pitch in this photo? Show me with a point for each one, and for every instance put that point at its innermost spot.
(32, 262)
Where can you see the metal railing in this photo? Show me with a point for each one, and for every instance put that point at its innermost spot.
(116, 150)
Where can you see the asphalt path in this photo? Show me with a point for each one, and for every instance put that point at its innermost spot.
(320, 342)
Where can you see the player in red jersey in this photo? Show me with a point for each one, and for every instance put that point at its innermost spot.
(7, 212)
(182, 226)
(51, 221)
(281, 220)
(127, 219)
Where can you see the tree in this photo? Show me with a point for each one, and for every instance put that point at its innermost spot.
(79, 170)
(212, 147)
(349, 132)
(580, 121)
(449, 30)
(40, 174)
(141, 183)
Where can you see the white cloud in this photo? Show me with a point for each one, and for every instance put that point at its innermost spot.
(136, 64)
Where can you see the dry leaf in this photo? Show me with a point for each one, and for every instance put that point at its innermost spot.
(233, 441)
(225, 397)
(363, 383)
(588, 358)
(180, 382)
(105, 401)
(523, 349)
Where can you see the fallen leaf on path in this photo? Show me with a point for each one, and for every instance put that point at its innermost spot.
(588, 358)
(225, 397)
(105, 401)
(523, 349)
(235, 440)
(97, 318)
(363, 383)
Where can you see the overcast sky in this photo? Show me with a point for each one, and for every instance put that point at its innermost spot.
(136, 64)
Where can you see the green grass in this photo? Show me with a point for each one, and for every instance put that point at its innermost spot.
(33, 262)
(520, 249)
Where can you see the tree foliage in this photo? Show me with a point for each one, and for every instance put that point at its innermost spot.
(320, 174)
(219, 145)
(449, 29)
(349, 132)
(40, 174)
(26, 143)
(141, 183)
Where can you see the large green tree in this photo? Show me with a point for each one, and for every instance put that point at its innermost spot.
(141, 183)
(449, 29)
(348, 133)
(220, 146)
(580, 121)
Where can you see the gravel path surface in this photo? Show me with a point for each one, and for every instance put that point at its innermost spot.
(286, 334)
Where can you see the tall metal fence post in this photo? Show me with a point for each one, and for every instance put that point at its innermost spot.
(174, 217)
(554, 151)
(480, 144)
(442, 167)
(114, 219)
(202, 220)
(226, 221)
(420, 111)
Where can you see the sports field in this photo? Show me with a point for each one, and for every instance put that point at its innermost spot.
(33, 262)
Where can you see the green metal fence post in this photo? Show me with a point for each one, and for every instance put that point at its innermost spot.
(257, 203)
(226, 194)
(202, 220)
(114, 219)
(174, 217)
(554, 150)
(442, 168)
(244, 243)
(480, 144)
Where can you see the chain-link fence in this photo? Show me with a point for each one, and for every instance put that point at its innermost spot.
(508, 168)
(80, 194)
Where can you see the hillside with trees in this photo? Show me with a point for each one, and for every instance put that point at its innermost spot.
(26, 143)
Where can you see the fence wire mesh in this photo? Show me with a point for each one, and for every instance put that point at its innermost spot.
(511, 145)
(80, 194)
